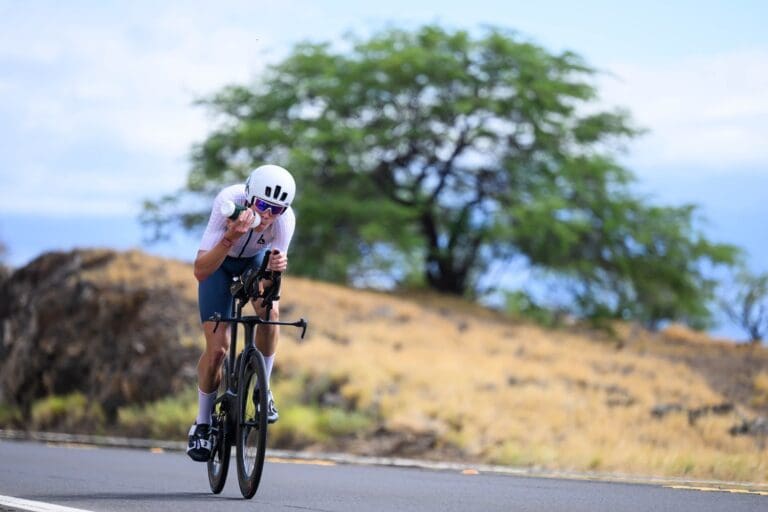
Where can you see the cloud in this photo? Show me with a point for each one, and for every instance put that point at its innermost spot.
(707, 112)
(84, 97)
(86, 79)
(97, 101)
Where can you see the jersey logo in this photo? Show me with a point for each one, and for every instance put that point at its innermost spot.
(261, 240)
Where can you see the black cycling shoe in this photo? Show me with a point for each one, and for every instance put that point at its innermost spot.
(272, 414)
(199, 446)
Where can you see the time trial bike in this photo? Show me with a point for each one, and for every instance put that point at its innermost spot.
(240, 411)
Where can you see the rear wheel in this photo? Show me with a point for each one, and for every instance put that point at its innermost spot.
(252, 424)
(221, 435)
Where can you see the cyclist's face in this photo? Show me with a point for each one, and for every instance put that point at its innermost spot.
(267, 217)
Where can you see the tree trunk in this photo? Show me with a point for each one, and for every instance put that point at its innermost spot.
(440, 265)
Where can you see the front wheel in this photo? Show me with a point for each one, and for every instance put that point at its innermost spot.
(222, 432)
(252, 423)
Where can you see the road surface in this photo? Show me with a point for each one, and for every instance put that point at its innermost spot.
(112, 479)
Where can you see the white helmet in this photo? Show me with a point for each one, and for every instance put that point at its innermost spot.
(270, 183)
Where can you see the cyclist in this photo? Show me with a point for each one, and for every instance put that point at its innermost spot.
(228, 248)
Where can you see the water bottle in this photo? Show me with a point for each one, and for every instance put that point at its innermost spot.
(232, 211)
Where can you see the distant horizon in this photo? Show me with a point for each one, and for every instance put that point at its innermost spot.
(182, 247)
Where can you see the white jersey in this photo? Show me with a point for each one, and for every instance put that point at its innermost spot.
(277, 236)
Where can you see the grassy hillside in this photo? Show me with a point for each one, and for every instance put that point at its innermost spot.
(435, 377)
(504, 392)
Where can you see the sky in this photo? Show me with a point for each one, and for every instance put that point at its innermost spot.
(97, 99)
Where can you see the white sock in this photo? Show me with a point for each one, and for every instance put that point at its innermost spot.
(205, 403)
(269, 362)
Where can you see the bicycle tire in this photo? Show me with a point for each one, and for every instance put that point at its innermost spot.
(251, 425)
(218, 465)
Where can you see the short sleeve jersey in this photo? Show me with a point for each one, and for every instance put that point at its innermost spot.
(277, 236)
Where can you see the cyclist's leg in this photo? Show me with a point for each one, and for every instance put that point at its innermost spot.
(209, 365)
(267, 337)
(213, 297)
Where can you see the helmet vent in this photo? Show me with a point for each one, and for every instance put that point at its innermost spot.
(271, 183)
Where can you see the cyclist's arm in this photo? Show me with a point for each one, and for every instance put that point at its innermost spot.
(278, 261)
(208, 261)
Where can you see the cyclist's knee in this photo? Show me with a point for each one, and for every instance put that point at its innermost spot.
(274, 315)
(217, 355)
(216, 343)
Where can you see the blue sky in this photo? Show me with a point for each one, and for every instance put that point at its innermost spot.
(96, 99)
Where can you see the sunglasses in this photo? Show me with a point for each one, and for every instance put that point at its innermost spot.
(263, 206)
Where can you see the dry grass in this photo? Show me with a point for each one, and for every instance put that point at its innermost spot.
(760, 390)
(500, 391)
(136, 269)
(510, 393)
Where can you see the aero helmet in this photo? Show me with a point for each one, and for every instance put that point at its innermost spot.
(270, 183)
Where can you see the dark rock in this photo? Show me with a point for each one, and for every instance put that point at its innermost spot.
(717, 409)
(62, 331)
(754, 427)
(661, 410)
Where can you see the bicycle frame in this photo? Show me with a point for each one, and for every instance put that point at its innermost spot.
(249, 323)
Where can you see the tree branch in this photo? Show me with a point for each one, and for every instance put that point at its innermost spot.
(447, 167)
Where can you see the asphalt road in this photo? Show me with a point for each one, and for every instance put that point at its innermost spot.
(110, 479)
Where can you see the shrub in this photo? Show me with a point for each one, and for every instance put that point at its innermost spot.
(73, 412)
(168, 418)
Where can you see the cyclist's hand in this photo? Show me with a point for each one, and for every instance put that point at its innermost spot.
(239, 227)
(277, 261)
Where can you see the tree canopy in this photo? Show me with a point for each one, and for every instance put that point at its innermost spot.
(428, 155)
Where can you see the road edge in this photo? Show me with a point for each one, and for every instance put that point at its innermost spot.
(343, 458)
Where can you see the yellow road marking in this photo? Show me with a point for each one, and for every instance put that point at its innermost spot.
(470, 472)
(79, 446)
(716, 489)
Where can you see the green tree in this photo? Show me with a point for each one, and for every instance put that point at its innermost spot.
(745, 302)
(430, 154)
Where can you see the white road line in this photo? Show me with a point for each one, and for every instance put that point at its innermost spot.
(36, 506)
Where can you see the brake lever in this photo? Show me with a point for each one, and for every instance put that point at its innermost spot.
(303, 324)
